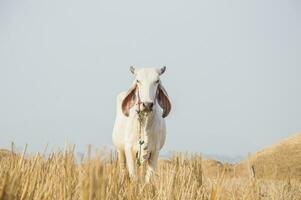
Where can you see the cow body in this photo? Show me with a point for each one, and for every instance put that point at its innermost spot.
(131, 127)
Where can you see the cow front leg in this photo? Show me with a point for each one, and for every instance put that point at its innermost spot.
(152, 164)
(130, 162)
(121, 159)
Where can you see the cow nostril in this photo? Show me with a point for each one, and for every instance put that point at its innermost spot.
(148, 105)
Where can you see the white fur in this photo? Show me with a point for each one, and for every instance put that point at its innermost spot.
(126, 129)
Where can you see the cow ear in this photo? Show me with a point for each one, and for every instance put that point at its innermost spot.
(163, 100)
(129, 101)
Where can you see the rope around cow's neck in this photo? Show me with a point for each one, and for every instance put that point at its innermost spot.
(141, 120)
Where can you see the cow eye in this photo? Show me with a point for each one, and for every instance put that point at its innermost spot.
(138, 81)
(157, 81)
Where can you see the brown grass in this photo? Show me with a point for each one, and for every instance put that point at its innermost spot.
(280, 161)
(60, 176)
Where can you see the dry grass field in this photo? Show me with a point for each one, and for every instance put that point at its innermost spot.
(280, 161)
(60, 176)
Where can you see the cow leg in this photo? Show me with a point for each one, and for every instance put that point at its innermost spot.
(122, 164)
(121, 161)
(152, 164)
(130, 161)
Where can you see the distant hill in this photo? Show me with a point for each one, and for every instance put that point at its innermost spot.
(224, 158)
(280, 161)
(220, 158)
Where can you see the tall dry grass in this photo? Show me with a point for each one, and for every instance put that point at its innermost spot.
(60, 176)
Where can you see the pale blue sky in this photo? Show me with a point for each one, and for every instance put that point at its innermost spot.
(233, 70)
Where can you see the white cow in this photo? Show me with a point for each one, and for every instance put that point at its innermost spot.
(139, 131)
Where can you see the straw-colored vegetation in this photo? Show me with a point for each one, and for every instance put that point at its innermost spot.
(280, 161)
(60, 176)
